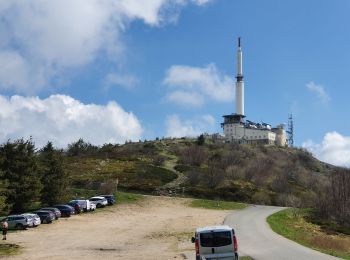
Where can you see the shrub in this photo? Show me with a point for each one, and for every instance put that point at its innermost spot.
(261, 197)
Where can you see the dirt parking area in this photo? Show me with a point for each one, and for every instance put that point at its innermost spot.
(155, 228)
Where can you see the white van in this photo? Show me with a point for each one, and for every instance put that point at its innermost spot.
(216, 242)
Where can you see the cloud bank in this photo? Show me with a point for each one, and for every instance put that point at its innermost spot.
(41, 40)
(334, 149)
(194, 85)
(63, 119)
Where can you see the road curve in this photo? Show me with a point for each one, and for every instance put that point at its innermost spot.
(256, 239)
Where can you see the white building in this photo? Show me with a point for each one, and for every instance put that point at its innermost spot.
(239, 130)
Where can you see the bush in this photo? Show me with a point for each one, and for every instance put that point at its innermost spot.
(261, 197)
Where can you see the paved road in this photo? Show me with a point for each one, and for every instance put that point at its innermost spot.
(256, 239)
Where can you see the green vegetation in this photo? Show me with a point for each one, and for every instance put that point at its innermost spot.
(217, 204)
(122, 197)
(245, 258)
(198, 167)
(125, 197)
(293, 224)
(20, 170)
(9, 249)
(53, 176)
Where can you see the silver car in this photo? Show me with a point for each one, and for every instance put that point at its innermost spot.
(34, 218)
(18, 222)
(216, 242)
(100, 202)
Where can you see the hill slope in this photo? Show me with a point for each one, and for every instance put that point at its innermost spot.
(259, 174)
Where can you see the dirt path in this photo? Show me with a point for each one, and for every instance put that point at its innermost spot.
(156, 228)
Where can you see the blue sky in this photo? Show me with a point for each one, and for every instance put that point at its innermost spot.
(168, 68)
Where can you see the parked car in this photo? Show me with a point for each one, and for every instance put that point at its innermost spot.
(99, 201)
(85, 205)
(110, 199)
(217, 242)
(66, 210)
(55, 211)
(46, 217)
(18, 222)
(92, 206)
(76, 206)
(35, 219)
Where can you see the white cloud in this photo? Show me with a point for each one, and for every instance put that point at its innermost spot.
(125, 81)
(186, 98)
(206, 81)
(319, 91)
(334, 149)
(62, 119)
(189, 128)
(46, 38)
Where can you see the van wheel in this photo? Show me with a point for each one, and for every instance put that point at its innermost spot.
(19, 227)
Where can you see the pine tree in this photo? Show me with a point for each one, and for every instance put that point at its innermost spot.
(54, 177)
(200, 140)
(19, 166)
(3, 193)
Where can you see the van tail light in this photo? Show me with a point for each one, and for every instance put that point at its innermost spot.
(235, 244)
(197, 247)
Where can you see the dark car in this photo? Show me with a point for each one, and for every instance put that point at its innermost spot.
(66, 210)
(46, 217)
(55, 211)
(111, 199)
(76, 206)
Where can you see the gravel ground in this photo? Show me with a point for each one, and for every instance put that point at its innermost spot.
(156, 228)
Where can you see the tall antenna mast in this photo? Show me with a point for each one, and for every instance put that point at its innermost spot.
(290, 131)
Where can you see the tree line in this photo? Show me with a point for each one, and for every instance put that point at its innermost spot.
(30, 177)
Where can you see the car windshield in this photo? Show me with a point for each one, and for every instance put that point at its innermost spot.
(215, 239)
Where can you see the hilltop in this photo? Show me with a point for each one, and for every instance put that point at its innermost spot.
(256, 174)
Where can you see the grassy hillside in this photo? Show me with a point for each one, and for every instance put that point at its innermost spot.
(296, 225)
(258, 174)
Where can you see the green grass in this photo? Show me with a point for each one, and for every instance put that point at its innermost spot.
(125, 197)
(298, 229)
(217, 204)
(9, 249)
(245, 258)
(122, 197)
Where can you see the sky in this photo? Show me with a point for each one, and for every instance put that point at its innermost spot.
(117, 70)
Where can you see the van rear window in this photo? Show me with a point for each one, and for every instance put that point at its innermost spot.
(216, 239)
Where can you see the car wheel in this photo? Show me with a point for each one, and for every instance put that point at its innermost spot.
(98, 205)
(19, 227)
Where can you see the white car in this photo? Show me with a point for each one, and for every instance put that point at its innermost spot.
(92, 206)
(34, 219)
(99, 201)
(216, 242)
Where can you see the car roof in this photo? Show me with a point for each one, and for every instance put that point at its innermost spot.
(213, 228)
(97, 197)
(14, 216)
